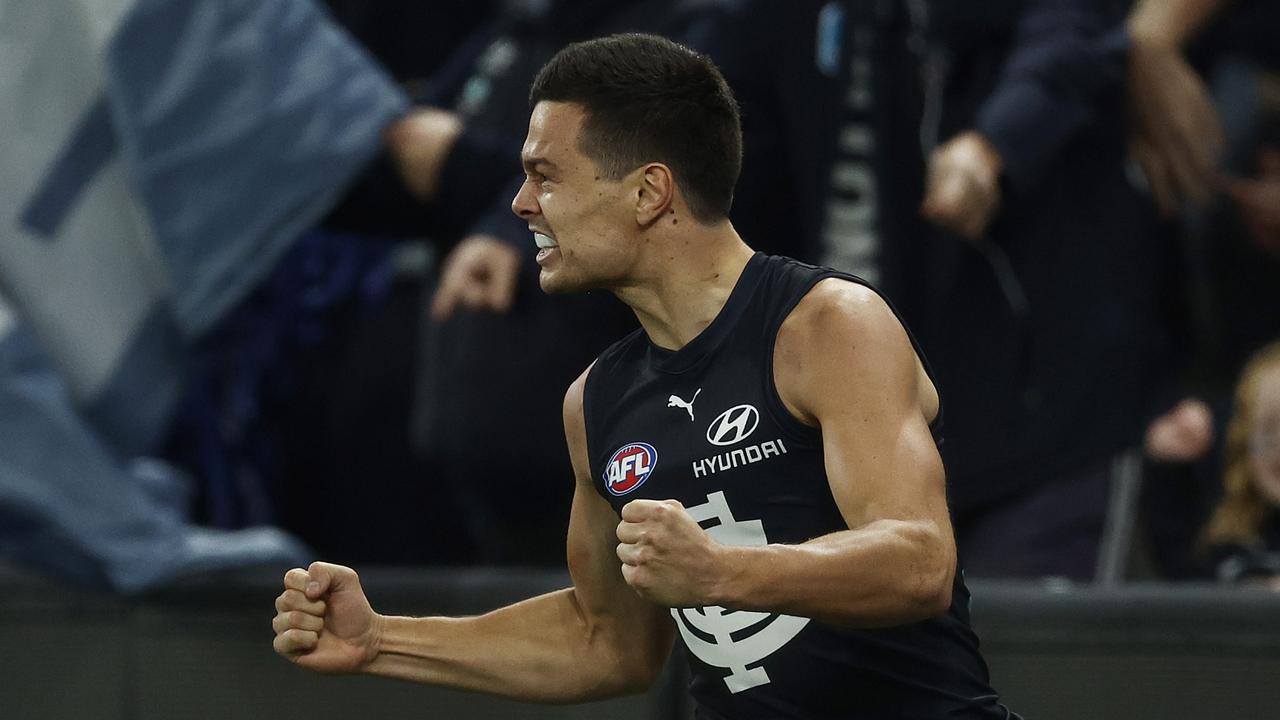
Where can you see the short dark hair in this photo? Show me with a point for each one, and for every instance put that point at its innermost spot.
(648, 99)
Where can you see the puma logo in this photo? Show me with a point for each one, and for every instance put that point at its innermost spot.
(674, 401)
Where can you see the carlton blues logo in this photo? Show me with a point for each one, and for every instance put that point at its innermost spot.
(629, 467)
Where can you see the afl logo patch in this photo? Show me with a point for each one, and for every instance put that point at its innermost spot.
(629, 467)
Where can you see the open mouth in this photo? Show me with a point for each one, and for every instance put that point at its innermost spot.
(547, 247)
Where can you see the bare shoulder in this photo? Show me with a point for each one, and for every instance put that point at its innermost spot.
(575, 423)
(841, 321)
(573, 397)
(836, 303)
(842, 337)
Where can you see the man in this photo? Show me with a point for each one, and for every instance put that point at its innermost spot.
(781, 404)
(1043, 287)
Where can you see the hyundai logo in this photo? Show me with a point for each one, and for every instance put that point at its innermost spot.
(733, 425)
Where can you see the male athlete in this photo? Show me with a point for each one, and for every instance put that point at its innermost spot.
(755, 466)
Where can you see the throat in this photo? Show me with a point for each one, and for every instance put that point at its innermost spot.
(677, 308)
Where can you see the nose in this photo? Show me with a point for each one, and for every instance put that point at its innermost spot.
(525, 203)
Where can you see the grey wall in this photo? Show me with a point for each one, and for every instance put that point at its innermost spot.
(204, 651)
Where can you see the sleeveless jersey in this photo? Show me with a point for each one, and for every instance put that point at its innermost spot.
(704, 425)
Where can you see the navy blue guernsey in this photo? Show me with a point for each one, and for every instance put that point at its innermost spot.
(704, 425)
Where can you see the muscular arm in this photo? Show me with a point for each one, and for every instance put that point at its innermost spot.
(844, 363)
(595, 640)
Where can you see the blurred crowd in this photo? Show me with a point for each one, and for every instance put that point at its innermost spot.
(265, 298)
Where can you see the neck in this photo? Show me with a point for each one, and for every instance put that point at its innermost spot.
(688, 280)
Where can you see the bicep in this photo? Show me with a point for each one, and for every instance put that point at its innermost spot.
(865, 388)
(883, 464)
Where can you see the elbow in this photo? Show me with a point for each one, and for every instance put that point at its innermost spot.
(936, 600)
(618, 674)
(619, 680)
(641, 680)
(934, 579)
(639, 672)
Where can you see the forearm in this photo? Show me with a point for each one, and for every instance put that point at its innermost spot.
(886, 573)
(542, 650)
(1171, 22)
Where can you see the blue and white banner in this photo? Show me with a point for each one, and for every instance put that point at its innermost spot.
(158, 157)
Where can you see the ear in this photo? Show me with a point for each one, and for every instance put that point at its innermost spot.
(655, 193)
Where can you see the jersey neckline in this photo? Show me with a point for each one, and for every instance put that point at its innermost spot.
(678, 361)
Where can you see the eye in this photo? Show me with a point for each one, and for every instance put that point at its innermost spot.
(542, 181)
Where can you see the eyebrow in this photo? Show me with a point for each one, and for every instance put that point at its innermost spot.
(530, 163)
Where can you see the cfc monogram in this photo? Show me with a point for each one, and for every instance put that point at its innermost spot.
(734, 639)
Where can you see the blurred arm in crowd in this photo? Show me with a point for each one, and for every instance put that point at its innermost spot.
(1063, 54)
(1176, 134)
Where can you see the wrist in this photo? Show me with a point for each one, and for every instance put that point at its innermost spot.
(377, 634)
(732, 580)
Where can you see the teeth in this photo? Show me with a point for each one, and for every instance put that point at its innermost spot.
(544, 241)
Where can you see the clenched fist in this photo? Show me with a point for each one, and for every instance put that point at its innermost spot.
(323, 621)
(962, 188)
(667, 558)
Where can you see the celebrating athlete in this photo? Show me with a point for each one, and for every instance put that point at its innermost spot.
(756, 470)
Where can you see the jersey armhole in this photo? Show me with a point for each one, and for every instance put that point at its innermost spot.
(804, 435)
(595, 372)
(790, 423)
(587, 418)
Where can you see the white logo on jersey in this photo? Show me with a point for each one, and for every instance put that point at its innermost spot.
(733, 425)
(674, 401)
(738, 457)
(767, 632)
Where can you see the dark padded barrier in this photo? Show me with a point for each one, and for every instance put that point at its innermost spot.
(1133, 651)
(204, 651)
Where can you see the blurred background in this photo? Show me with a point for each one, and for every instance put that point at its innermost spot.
(263, 301)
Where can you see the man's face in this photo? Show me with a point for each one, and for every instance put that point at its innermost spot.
(579, 219)
(1265, 440)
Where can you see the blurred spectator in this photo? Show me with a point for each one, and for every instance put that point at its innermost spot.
(1233, 290)
(1258, 198)
(1244, 532)
(1045, 283)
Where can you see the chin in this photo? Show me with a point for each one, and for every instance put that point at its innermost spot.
(554, 283)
